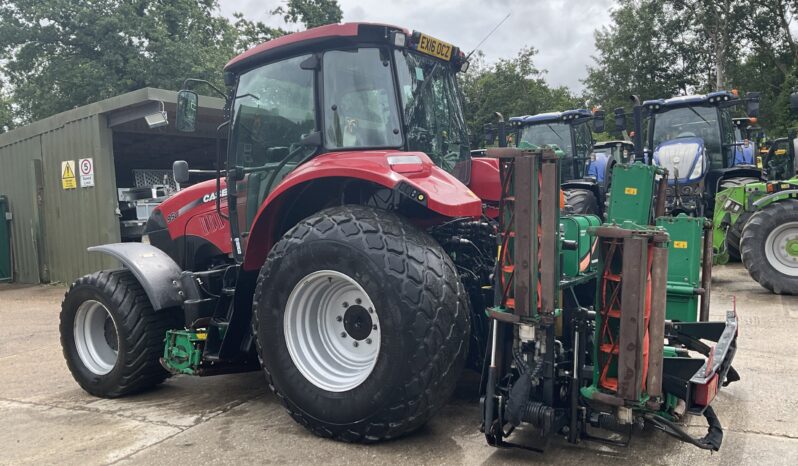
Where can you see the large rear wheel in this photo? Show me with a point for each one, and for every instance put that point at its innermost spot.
(770, 247)
(736, 231)
(111, 337)
(581, 202)
(361, 323)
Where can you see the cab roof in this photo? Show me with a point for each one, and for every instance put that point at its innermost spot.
(713, 98)
(343, 34)
(552, 117)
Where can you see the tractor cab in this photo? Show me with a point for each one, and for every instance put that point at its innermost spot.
(569, 134)
(362, 92)
(607, 153)
(695, 139)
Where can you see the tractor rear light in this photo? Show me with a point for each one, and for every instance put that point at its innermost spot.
(406, 163)
(705, 393)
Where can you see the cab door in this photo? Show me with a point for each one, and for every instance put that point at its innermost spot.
(274, 109)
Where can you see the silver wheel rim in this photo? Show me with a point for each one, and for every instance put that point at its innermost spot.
(332, 330)
(96, 337)
(779, 248)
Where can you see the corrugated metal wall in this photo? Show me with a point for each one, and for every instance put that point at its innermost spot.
(17, 182)
(75, 219)
(72, 220)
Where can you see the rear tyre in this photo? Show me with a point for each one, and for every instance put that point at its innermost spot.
(581, 202)
(735, 231)
(734, 235)
(770, 247)
(110, 335)
(362, 324)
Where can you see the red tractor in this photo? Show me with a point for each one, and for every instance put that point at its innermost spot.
(341, 250)
(350, 251)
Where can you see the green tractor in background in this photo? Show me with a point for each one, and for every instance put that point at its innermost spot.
(759, 221)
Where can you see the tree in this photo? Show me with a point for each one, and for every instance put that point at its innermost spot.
(59, 54)
(512, 87)
(658, 49)
(646, 51)
(6, 111)
(311, 13)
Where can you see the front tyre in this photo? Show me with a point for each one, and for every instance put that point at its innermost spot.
(110, 335)
(361, 323)
(770, 247)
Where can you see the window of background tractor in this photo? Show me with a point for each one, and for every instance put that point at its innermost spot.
(359, 100)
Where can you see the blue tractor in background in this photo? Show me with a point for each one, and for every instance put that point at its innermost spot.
(570, 135)
(695, 139)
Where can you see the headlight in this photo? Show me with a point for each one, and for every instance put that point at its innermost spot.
(698, 169)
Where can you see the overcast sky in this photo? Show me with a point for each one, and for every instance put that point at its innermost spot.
(561, 30)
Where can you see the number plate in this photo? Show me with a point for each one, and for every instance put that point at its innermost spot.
(435, 47)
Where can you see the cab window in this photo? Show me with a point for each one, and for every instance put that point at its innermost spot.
(360, 109)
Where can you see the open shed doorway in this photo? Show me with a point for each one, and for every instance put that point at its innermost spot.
(143, 164)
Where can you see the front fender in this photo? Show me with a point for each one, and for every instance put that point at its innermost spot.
(443, 193)
(157, 273)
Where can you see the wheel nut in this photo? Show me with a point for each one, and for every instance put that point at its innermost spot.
(355, 344)
(374, 327)
(368, 341)
(343, 334)
(339, 318)
(346, 304)
(371, 310)
(358, 300)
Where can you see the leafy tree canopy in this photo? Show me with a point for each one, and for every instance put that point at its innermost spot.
(60, 54)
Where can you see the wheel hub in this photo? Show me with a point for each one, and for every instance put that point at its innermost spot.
(332, 330)
(781, 248)
(96, 337)
(357, 322)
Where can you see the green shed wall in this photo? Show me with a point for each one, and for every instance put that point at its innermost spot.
(72, 219)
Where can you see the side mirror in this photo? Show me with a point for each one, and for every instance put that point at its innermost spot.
(752, 104)
(794, 102)
(180, 171)
(620, 119)
(598, 121)
(186, 111)
(490, 135)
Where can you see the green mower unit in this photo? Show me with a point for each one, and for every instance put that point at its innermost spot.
(578, 354)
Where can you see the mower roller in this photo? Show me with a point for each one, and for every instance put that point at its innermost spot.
(348, 249)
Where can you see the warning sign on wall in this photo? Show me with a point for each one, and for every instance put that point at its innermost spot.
(68, 180)
(86, 167)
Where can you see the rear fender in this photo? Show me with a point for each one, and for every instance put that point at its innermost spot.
(424, 182)
(157, 273)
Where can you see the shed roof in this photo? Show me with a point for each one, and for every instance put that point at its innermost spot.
(110, 105)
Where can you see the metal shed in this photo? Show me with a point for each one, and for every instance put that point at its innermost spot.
(51, 226)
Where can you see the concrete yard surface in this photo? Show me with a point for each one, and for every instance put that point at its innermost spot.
(233, 419)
